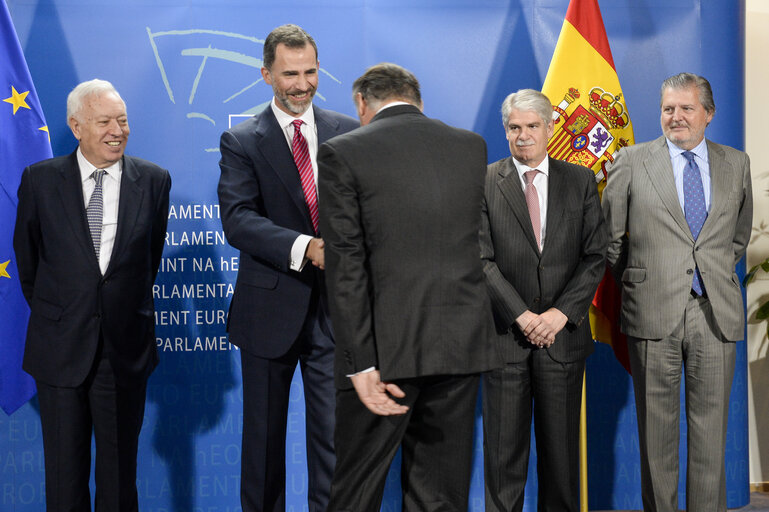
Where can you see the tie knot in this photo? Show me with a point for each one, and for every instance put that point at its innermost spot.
(297, 125)
(529, 176)
(689, 156)
(98, 175)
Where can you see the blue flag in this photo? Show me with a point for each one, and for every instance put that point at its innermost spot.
(23, 140)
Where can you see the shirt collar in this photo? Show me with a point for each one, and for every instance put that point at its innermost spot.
(393, 104)
(87, 168)
(543, 167)
(701, 150)
(285, 120)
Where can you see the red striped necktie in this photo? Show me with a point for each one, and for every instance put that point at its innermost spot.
(306, 175)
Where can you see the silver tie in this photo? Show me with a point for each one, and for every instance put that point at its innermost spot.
(95, 211)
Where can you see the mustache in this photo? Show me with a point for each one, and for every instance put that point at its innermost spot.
(523, 143)
(678, 125)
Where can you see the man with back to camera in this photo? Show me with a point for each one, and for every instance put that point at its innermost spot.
(679, 211)
(543, 245)
(278, 315)
(89, 236)
(401, 203)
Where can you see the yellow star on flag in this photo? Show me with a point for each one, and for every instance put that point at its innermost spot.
(3, 271)
(17, 99)
(45, 129)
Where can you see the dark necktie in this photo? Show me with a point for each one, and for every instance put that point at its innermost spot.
(304, 165)
(694, 208)
(95, 210)
(532, 202)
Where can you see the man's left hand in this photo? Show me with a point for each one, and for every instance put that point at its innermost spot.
(375, 394)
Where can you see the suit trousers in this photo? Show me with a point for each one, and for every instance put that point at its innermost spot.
(708, 367)
(554, 391)
(436, 437)
(69, 416)
(266, 387)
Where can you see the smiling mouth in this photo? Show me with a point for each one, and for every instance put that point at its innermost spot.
(114, 143)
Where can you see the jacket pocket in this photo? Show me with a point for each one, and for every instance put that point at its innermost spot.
(258, 279)
(634, 275)
(46, 309)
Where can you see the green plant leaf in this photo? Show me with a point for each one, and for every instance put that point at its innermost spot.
(762, 313)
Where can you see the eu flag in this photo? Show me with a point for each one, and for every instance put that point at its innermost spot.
(23, 140)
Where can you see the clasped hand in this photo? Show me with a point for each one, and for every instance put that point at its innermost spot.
(540, 330)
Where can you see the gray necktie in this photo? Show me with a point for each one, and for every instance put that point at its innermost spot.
(95, 211)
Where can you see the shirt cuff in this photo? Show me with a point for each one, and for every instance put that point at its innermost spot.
(367, 370)
(298, 251)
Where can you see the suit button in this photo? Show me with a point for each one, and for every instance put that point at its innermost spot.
(689, 271)
(536, 300)
(541, 267)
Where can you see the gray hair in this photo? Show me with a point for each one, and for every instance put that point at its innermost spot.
(386, 81)
(293, 36)
(85, 90)
(687, 80)
(527, 100)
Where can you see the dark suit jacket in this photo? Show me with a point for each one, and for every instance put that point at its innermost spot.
(400, 201)
(564, 275)
(263, 212)
(71, 302)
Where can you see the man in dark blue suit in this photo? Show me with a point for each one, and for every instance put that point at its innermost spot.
(89, 235)
(278, 315)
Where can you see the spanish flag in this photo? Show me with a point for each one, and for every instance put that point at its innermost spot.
(591, 125)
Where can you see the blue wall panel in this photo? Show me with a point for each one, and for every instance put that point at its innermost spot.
(184, 67)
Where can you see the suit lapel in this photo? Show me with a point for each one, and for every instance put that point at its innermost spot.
(273, 145)
(660, 172)
(327, 126)
(557, 181)
(509, 184)
(129, 206)
(721, 177)
(71, 195)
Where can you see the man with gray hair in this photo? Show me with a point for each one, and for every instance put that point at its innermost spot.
(543, 244)
(679, 212)
(90, 231)
(279, 316)
(410, 308)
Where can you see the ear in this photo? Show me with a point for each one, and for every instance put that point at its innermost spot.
(74, 125)
(266, 75)
(550, 129)
(361, 106)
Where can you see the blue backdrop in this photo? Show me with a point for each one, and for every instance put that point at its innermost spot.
(186, 67)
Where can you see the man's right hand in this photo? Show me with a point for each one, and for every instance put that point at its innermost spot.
(315, 254)
(527, 322)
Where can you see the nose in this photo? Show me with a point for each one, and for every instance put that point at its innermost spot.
(115, 128)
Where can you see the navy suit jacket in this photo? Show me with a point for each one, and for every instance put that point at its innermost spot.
(263, 212)
(71, 302)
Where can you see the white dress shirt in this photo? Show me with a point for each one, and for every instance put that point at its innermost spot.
(110, 186)
(540, 183)
(310, 132)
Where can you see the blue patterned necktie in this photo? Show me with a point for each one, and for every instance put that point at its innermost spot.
(694, 208)
(95, 210)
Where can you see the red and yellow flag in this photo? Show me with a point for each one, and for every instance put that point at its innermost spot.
(591, 125)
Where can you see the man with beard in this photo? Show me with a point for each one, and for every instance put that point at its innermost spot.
(278, 315)
(679, 211)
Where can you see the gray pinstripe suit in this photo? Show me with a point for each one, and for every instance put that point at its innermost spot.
(564, 276)
(653, 255)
